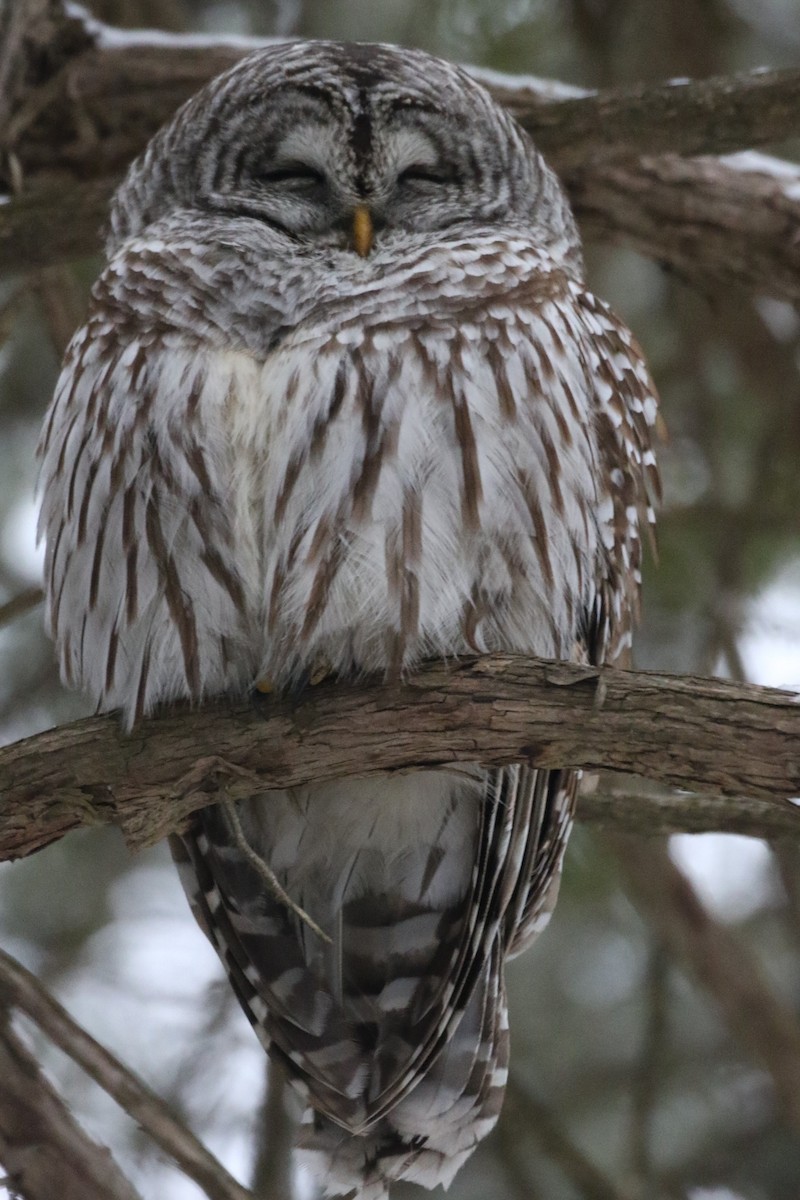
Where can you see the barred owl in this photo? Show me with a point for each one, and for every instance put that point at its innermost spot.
(343, 402)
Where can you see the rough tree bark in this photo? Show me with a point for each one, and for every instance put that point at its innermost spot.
(689, 733)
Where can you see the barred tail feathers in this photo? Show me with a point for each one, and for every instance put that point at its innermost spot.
(429, 1135)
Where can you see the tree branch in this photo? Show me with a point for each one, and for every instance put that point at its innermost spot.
(525, 1117)
(731, 220)
(275, 1131)
(654, 812)
(102, 106)
(720, 961)
(699, 734)
(36, 38)
(24, 992)
(54, 224)
(20, 604)
(43, 1149)
(700, 116)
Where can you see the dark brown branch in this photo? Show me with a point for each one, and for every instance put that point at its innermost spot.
(42, 1148)
(700, 116)
(54, 225)
(104, 104)
(699, 734)
(22, 990)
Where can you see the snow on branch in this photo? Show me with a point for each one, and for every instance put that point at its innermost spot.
(682, 116)
(703, 735)
(728, 220)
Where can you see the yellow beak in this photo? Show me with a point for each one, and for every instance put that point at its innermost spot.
(363, 231)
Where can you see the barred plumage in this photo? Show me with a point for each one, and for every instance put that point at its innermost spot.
(342, 402)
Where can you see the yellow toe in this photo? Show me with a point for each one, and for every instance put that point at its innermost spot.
(319, 672)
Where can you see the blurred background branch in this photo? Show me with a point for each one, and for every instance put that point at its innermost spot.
(22, 603)
(43, 1149)
(527, 1112)
(272, 1174)
(722, 964)
(21, 990)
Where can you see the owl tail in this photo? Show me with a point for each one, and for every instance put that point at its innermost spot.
(363, 1167)
(435, 1127)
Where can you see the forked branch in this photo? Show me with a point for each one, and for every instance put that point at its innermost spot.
(43, 1150)
(61, 1139)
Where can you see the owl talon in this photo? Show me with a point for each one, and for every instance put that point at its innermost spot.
(319, 672)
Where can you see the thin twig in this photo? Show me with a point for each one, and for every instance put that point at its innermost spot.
(526, 1112)
(265, 871)
(63, 304)
(19, 605)
(787, 863)
(25, 992)
(10, 310)
(648, 1071)
(272, 1177)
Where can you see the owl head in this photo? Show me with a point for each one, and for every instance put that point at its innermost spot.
(345, 144)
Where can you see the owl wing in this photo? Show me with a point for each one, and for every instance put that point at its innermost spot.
(145, 600)
(625, 405)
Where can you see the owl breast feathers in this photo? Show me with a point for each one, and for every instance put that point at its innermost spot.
(343, 402)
